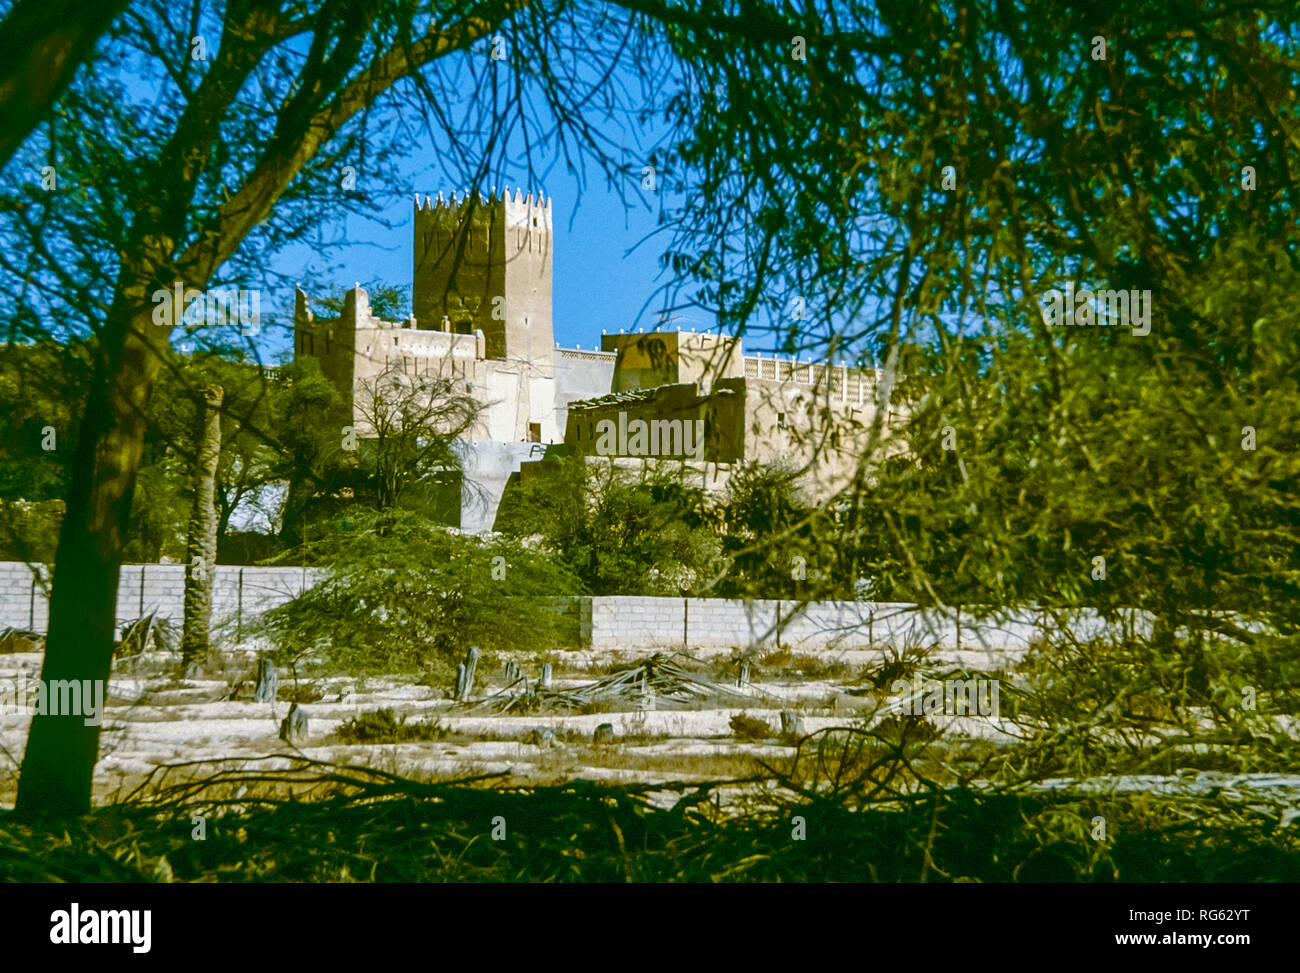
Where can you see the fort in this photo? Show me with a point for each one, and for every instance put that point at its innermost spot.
(482, 319)
(658, 437)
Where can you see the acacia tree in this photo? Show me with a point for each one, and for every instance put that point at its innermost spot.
(1005, 149)
(407, 424)
(168, 234)
(402, 594)
(42, 44)
(256, 102)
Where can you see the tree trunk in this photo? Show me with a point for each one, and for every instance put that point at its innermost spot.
(297, 507)
(59, 763)
(42, 44)
(201, 549)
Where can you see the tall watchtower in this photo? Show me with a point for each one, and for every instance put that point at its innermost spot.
(486, 266)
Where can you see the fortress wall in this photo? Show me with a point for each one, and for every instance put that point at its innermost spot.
(579, 374)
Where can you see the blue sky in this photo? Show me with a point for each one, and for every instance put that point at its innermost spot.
(602, 278)
(606, 272)
(606, 269)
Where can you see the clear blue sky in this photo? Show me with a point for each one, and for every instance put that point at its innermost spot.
(606, 264)
(606, 273)
(602, 278)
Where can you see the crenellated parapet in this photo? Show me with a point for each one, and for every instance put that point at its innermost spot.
(483, 263)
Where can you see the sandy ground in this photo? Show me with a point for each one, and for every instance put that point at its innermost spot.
(153, 720)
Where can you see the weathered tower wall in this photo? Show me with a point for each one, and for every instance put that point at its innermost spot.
(486, 265)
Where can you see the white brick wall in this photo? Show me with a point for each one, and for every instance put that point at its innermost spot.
(143, 588)
(21, 606)
(604, 622)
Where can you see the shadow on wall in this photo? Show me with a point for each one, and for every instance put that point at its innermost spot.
(489, 469)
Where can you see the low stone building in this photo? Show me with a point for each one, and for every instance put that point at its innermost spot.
(813, 418)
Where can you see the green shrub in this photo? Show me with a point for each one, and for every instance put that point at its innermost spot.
(404, 595)
(748, 728)
(383, 726)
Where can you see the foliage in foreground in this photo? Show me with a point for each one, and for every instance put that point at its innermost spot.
(378, 827)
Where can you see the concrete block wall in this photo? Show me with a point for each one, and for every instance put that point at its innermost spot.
(252, 590)
(848, 624)
(143, 588)
(615, 622)
(718, 623)
(723, 622)
(23, 602)
(630, 622)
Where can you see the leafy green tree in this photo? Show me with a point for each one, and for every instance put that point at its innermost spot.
(41, 384)
(250, 458)
(308, 419)
(771, 533)
(621, 532)
(388, 302)
(988, 153)
(404, 595)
